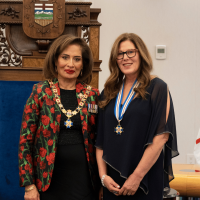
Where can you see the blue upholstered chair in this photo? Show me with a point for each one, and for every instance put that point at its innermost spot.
(13, 96)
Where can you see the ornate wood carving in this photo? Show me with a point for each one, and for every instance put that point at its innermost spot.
(86, 33)
(77, 13)
(10, 11)
(7, 56)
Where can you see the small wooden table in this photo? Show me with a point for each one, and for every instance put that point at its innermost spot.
(187, 180)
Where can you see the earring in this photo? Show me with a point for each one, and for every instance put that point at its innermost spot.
(56, 69)
(81, 73)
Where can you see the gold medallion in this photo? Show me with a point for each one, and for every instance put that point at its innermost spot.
(119, 129)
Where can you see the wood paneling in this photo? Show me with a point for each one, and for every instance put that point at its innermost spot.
(14, 74)
(33, 74)
(32, 62)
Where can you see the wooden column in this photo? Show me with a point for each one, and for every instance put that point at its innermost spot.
(94, 39)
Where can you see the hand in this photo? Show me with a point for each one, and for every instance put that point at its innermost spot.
(32, 194)
(101, 193)
(111, 185)
(130, 186)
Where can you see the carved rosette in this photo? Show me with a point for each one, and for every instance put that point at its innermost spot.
(77, 13)
(86, 33)
(7, 56)
(10, 11)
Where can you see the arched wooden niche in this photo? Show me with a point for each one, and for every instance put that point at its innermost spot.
(24, 40)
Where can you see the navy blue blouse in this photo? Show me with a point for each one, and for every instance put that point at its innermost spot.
(142, 121)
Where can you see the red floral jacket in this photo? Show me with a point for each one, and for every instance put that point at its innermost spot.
(39, 131)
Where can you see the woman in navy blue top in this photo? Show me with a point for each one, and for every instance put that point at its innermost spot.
(136, 136)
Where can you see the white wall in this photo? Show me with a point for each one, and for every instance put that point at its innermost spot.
(175, 23)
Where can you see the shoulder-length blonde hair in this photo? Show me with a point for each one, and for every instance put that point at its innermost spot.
(57, 47)
(114, 81)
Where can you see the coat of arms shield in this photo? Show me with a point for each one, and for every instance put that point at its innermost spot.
(43, 14)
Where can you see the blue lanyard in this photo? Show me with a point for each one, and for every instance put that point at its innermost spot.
(120, 111)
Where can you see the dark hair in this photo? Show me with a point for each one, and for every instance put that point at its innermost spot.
(114, 81)
(57, 47)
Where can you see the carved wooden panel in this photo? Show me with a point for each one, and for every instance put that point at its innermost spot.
(79, 13)
(11, 12)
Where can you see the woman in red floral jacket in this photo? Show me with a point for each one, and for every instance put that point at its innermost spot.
(56, 149)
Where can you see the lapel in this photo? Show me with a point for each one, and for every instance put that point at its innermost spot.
(56, 115)
(80, 91)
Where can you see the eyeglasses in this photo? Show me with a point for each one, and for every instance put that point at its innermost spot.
(130, 53)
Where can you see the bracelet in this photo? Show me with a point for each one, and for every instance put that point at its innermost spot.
(103, 179)
(29, 189)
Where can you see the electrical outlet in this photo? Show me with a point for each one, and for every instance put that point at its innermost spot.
(190, 159)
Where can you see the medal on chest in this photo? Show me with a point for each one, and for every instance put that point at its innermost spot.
(68, 123)
(119, 110)
(69, 113)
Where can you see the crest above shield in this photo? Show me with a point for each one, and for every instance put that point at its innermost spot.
(43, 19)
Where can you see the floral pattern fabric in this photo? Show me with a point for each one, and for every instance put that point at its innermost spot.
(39, 133)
